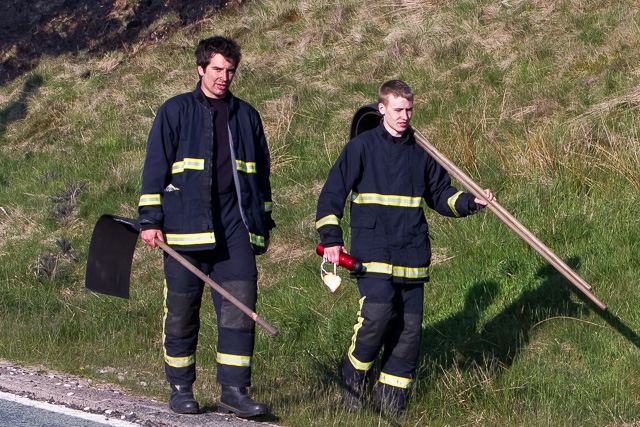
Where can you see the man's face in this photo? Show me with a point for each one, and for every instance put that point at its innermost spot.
(217, 77)
(397, 114)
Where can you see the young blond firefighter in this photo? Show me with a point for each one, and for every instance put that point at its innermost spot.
(388, 178)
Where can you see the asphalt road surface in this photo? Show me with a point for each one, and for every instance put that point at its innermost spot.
(20, 411)
(38, 398)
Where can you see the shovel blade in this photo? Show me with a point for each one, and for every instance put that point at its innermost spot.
(110, 255)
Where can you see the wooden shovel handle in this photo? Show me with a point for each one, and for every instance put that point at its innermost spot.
(510, 221)
(233, 300)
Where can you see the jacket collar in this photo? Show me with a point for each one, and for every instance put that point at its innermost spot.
(406, 138)
(202, 98)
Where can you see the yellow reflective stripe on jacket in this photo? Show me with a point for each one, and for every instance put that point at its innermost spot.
(191, 239)
(452, 203)
(359, 365)
(256, 240)
(268, 206)
(396, 270)
(327, 220)
(246, 167)
(150, 200)
(386, 200)
(394, 381)
(233, 359)
(193, 164)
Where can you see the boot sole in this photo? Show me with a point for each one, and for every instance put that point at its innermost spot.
(185, 412)
(226, 409)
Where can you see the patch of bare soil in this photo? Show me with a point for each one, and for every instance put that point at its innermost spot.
(44, 385)
(32, 29)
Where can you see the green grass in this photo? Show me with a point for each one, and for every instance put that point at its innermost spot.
(536, 100)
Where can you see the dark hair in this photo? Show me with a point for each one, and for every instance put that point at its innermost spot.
(397, 88)
(225, 46)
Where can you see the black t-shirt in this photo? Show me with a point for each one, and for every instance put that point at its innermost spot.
(223, 178)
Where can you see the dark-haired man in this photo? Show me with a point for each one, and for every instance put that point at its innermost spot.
(206, 191)
(389, 178)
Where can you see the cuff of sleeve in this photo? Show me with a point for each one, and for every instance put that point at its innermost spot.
(328, 243)
(270, 223)
(473, 206)
(331, 245)
(149, 226)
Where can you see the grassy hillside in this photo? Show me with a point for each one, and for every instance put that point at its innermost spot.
(537, 100)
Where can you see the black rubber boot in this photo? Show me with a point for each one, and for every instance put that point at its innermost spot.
(182, 401)
(352, 399)
(237, 400)
(391, 401)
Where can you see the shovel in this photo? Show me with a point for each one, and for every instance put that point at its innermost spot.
(111, 250)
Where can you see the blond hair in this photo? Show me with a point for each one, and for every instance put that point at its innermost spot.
(396, 88)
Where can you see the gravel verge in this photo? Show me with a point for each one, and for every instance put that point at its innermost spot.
(44, 385)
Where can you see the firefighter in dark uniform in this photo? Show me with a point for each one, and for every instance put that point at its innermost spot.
(206, 191)
(388, 178)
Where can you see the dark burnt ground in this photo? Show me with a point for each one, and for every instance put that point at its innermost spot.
(30, 29)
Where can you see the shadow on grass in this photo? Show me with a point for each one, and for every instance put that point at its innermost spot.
(613, 321)
(457, 340)
(17, 110)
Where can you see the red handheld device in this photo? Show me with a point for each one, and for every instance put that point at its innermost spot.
(346, 260)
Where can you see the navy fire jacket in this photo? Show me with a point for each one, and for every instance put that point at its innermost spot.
(388, 181)
(177, 178)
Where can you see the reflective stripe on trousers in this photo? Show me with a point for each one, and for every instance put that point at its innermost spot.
(390, 317)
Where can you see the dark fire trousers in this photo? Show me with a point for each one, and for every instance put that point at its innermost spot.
(390, 316)
(231, 265)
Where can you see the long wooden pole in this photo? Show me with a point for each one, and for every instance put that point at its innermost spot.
(511, 221)
(233, 300)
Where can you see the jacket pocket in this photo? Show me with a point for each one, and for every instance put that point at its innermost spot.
(363, 236)
(363, 221)
(420, 247)
(173, 211)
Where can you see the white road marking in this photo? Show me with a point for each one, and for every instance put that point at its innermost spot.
(66, 411)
